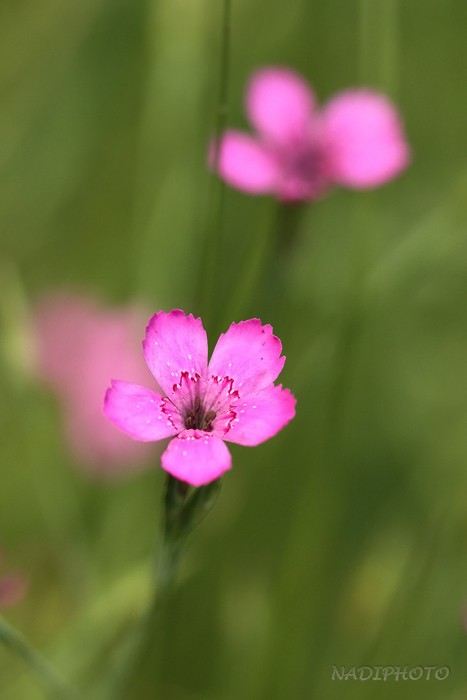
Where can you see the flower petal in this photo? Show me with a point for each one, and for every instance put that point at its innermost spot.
(279, 104)
(262, 416)
(249, 354)
(103, 451)
(175, 343)
(244, 163)
(78, 336)
(12, 589)
(196, 457)
(141, 413)
(365, 139)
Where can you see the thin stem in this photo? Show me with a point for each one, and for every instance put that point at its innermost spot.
(389, 37)
(365, 58)
(216, 204)
(184, 509)
(263, 274)
(165, 568)
(251, 274)
(378, 43)
(46, 675)
(222, 109)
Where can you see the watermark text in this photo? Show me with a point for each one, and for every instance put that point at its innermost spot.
(390, 673)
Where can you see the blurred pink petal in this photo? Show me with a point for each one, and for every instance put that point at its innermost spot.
(365, 138)
(245, 164)
(81, 344)
(279, 104)
(203, 403)
(197, 457)
(262, 416)
(12, 589)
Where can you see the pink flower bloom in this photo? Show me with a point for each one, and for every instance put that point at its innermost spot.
(232, 398)
(299, 151)
(12, 588)
(79, 343)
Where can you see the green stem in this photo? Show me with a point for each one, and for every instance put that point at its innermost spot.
(184, 509)
(365, 58)
(389, 37)
(216, 204)
(47, 676)
(284, 243)
(263, 275)
(134, 657)
(378, 43)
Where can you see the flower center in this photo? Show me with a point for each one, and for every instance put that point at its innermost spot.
(304, 171)
(305, 162)
(199, 419)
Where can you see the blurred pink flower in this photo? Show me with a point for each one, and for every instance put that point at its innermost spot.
(12, 587)
(355, 140)
(80, 343)
(232, 398)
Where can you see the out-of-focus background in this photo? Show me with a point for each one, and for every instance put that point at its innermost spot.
(343, 541)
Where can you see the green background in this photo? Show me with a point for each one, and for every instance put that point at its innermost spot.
(343, 541)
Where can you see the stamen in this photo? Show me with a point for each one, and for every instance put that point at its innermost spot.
(197, 419)
(208, 421)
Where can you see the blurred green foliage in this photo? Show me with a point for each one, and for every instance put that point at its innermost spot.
(344, 540)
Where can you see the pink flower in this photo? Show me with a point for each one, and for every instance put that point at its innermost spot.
(299, 151)
(232, 398)
(79, 343)
(12, 588)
